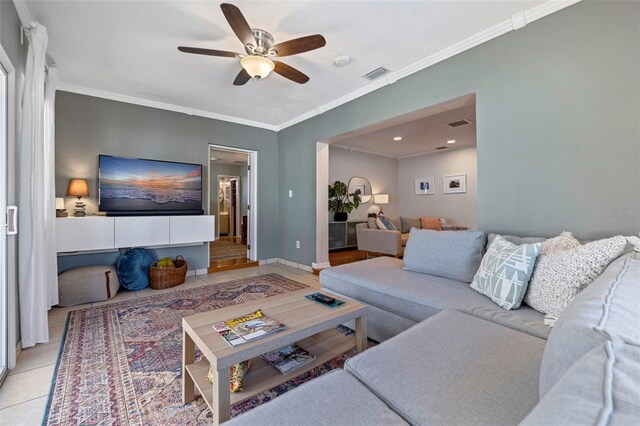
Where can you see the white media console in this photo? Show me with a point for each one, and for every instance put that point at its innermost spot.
(91, 233)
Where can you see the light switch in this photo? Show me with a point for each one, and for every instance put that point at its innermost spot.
(290, 193)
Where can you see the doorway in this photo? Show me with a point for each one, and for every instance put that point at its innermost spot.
(232, 199)
(405, 161)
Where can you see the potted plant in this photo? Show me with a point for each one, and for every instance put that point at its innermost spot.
(341, 202)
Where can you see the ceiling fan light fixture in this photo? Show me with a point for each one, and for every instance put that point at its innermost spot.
(258, 67)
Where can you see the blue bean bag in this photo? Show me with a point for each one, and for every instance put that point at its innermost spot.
(133, 268)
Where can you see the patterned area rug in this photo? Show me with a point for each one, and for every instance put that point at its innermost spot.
(120, 364)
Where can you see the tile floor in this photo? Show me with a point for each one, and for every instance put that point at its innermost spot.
(23, 396)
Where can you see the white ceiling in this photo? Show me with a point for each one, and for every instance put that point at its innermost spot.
(228, 157)
(422, 132)
(130, 48)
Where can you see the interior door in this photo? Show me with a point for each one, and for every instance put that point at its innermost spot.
(248, 212)
(4, 213)
(233, 231)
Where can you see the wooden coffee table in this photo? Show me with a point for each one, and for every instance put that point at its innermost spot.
(309, 324)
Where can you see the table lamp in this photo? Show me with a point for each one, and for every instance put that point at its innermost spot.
(381, 199)
(78, 188)
(60, 210)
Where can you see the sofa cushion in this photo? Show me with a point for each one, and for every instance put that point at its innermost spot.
(408, 223)
(397, 222)
(335, 398)
(608, 308)
(504, 272)
(600, 388)
(404, 238)
(515, 239)
(449, 254)
(383, 283)
(562, 274)
(431, 223)
(454, 369)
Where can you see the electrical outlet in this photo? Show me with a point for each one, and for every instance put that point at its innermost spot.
(290, 193)
(297, 244)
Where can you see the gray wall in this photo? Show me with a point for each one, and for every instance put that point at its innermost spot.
(10, 40)
(87, 126)
(382, 173)
(457, 209)
(557, 128)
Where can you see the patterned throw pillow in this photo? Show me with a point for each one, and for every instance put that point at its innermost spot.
(505, 270)
(561, 274)
(385, 223)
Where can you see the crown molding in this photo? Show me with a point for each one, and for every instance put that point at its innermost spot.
(65, 87)
(514, 23)
(23, 12)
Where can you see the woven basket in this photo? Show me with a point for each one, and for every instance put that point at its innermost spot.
(161, 277)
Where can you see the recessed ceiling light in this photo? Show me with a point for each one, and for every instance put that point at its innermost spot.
(397, 138)
(213, 158)
(451, 141)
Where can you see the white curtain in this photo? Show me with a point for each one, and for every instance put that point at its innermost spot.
(37, 270)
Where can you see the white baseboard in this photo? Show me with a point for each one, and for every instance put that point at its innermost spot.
(268, 261)
(194, 272)
(321, 265)
(295, 265)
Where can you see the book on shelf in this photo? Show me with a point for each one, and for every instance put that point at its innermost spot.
(248, 327)
(288, 358)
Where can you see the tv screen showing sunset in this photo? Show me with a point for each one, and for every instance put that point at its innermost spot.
(131, 184)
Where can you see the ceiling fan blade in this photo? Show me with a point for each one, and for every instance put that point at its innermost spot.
(299, 45)
(242, 78)
(210, 52)
(238, 24)
(290, 72)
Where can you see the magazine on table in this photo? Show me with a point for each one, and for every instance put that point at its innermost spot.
(248, 327)
(289, 358)
(230, 336)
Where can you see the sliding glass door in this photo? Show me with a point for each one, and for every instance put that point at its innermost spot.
(4, 344)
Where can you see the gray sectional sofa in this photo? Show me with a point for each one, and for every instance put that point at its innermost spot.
(450, 356)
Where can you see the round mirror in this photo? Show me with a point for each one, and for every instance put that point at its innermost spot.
(359, 183)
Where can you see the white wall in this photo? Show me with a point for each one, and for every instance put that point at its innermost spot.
(457, 209)
(382, 172)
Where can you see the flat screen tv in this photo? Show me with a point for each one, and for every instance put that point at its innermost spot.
(134, 186)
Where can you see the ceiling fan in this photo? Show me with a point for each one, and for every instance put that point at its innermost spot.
(260, 49)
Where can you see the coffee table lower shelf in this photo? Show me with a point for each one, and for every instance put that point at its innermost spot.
(262, 376)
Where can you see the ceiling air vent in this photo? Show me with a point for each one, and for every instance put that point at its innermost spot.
(441, 147)
(458, 123)
(372, 75)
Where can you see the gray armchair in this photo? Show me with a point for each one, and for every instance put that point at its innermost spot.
(379, 241)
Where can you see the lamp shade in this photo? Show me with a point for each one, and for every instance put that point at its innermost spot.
(59, 203)
(78, 188)
(381, 199)
(258, 67)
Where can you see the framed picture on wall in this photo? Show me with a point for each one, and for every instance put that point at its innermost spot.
(425, 186)
(455, 184)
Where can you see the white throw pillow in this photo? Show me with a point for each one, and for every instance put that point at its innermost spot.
(561, 274)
